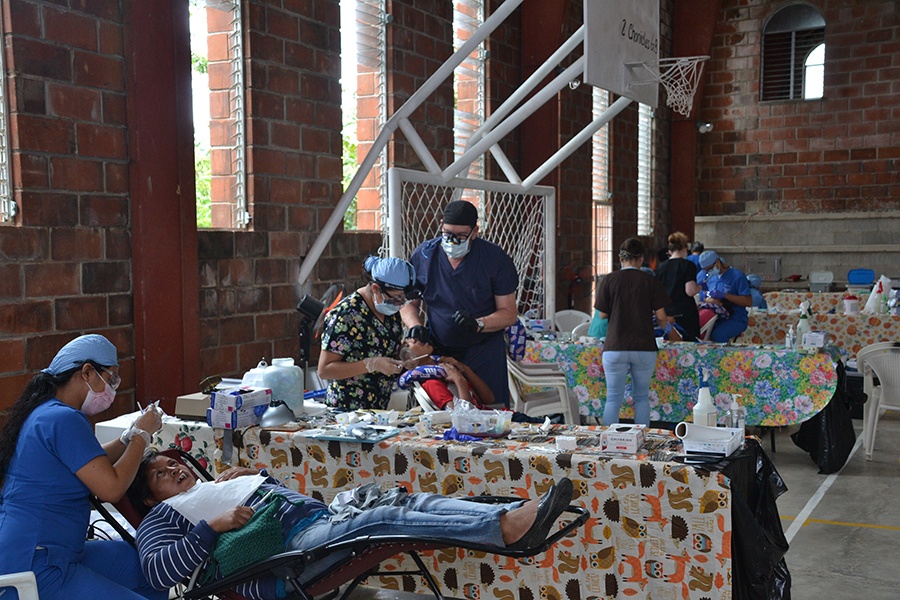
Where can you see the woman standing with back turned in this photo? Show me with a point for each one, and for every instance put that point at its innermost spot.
(679, 276)
(50, 462)
(629, 298)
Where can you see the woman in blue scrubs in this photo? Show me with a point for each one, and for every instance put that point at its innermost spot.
(50, 462)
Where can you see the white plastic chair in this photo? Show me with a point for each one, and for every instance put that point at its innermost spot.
(581, 330)
(706, 330)
(552, 396)
(24, 583)
(881, 361)
(566, 320)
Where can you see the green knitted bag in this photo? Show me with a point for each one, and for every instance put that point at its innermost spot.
(259, 539)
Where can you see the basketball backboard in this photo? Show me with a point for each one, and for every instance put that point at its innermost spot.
(619, 32)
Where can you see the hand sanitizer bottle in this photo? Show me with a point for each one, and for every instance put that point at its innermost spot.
(704, 411)
(789, 338)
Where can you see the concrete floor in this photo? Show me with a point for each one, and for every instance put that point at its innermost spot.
(848, 545)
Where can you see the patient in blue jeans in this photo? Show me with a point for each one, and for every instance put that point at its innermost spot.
(175, 537)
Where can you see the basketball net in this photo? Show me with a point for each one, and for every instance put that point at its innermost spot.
(680, 76)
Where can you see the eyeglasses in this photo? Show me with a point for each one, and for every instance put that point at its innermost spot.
(114, 379)
(455, 238)
(394, 300)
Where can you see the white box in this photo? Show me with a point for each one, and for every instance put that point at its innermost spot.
(723, 447)
(621, 437)
(235, 419)
(814, 339)
(242, 397)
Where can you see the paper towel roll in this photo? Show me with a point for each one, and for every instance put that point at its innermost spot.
(699, 433)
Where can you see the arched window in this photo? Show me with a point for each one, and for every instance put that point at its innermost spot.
(791, 38)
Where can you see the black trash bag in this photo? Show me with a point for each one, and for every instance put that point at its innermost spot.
(829, 435)
(758, 545)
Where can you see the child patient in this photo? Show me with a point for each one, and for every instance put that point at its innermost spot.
(443, 378)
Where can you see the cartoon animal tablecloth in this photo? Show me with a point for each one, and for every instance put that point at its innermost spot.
(659, 530)
(776, 386)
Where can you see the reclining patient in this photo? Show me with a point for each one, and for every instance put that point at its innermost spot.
(436, 374)
(186, 517)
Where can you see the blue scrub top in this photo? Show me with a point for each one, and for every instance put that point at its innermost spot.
(485, 272)
(43, 503)
(734, 282)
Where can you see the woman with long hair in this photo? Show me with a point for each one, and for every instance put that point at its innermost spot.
(50, 463)
(679, 276)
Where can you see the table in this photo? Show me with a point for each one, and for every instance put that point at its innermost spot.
(819, 302)
(849, 333)
(659, 529)
(777, 386)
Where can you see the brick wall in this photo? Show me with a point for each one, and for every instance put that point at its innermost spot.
(836, 154)
(66, 261)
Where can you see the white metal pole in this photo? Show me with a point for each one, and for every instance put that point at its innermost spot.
(419, 146)
(511, 122)
(395, 194)
(550, 255)
(418, 97)
(573, 144)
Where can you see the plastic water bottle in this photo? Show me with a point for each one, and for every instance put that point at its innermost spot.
(738, 415)
(705, 412)
(789, 338)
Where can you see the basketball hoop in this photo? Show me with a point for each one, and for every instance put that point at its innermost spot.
(680, 76)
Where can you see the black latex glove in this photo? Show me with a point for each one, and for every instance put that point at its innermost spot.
(465, 321)
(419, 333)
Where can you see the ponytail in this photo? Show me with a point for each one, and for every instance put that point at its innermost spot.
(41, 388)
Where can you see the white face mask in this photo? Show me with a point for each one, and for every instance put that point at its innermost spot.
(455, 250)
(387, 309)
(97, 402)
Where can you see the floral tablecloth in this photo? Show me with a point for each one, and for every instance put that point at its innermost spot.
(819, 302)
(849, 333)
(776, 386)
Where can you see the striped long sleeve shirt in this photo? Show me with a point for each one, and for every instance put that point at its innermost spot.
(170, 547)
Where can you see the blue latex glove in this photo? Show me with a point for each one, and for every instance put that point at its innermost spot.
(453, 434)
(717, 294)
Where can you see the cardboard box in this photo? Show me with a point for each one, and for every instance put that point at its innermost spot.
(724, 447)
(192, 406)
(621, 437)
(234, 419)
(243, 397)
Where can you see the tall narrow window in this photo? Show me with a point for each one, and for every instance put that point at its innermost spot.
(364, 106)
(645, 164)
(600, 192)
(217, 81)
(814, 74)
(790, 37)
(7, 203)
(468, 85)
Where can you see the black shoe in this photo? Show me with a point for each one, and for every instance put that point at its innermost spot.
(550, 506)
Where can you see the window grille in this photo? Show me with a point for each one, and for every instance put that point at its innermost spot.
(364, 104)
(468, 86)
(789, 38)
(600, 193)
(645, 163)
(222, 134)
(8, 207)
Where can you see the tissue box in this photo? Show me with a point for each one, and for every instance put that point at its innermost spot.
(814, 339)
(620, 437)
(235, 419)
(242, 397)
(724, 447)
(192, 406)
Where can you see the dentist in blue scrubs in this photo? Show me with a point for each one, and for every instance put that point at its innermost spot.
(50, 462)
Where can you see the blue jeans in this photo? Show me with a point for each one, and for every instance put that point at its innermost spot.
(616, 365)
(422, 515)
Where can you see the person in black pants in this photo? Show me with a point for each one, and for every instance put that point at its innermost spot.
(679, 276)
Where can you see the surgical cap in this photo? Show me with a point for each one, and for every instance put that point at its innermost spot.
(755, 281)
(391, 271)
(708, 259)
(91, 347)
(461, 212)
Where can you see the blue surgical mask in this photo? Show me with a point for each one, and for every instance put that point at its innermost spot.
(387, 309)
(455, 250)
(713, 271)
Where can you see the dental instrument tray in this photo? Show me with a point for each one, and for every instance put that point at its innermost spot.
(356, 432)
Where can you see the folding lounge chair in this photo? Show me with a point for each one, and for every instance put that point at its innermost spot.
(360, 558)
(326, 568)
